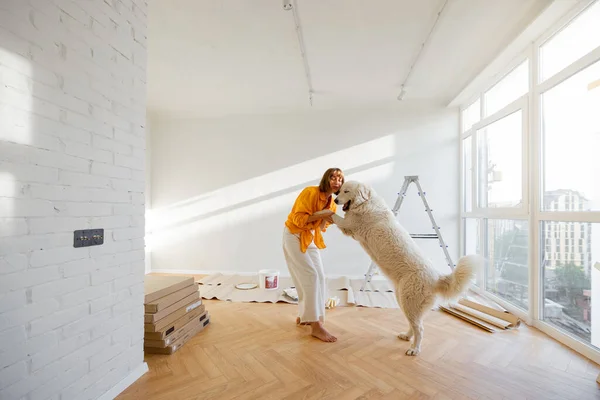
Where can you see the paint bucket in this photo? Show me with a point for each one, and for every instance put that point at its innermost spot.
(268, 279)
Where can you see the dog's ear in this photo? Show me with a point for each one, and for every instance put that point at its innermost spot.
(364, 192)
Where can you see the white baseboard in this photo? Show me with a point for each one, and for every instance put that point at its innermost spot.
(125, 383)
(205, 272)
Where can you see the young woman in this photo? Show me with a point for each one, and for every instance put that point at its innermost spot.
(302, 243)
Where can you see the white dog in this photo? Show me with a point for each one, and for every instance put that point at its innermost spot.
(417, 283)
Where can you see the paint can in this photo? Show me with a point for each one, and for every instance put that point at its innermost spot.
(268, 279)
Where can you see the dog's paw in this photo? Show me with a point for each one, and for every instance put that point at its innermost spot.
(403, 336)
(412, 352)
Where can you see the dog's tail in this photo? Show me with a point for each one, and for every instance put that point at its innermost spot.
(453, 285)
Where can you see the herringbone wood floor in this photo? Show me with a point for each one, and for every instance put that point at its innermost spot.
(255, 351)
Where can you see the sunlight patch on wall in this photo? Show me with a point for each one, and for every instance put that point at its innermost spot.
(251, 213)
(7, 193)
(16, 99)
(272, 184)
(16, 104)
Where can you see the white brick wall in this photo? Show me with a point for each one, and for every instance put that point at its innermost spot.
(72, 156)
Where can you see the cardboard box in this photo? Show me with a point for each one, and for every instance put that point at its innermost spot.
(177, 334)
(170, 329)
(154, 318)
(170, 299)
(174, 316)
(176, 345)
(156, 286)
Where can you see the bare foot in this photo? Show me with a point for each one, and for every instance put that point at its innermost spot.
(321, 333)
(300, 323)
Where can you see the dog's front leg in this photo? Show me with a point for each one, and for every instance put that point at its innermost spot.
(343, 224)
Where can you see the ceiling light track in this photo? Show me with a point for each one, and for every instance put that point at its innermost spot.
(293, 6)
(423, 46)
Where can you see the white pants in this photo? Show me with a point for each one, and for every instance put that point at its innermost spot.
(306, 270)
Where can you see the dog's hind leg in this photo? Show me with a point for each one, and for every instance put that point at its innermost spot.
(414, 312)
(408, 334)
(416, 326)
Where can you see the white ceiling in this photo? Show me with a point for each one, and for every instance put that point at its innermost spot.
(210, 58)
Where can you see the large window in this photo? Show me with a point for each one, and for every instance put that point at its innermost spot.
(531, 182)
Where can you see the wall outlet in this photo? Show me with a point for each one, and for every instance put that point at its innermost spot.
(88, 237)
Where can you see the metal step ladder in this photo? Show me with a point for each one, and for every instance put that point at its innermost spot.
(373, 268)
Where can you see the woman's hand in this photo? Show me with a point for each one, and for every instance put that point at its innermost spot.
(324, 221)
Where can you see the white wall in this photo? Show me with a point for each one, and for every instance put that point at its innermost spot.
(222, 188)
(148, 177)
(72, 116)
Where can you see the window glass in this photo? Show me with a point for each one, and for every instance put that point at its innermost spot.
(570, 275)
(467, 167)
(574, 41)
(571, 141)
(500, 163)
(472, 241)
(509, 89)
(507, 252)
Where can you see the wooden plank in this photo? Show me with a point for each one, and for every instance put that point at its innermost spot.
(465, 317)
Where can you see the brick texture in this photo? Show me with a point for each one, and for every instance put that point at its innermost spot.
(72, 156)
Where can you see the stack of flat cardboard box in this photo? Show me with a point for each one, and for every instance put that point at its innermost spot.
(174, 313)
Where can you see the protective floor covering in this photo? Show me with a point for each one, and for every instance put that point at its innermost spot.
(379, 293)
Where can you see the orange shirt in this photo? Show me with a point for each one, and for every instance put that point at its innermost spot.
(308, 202)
